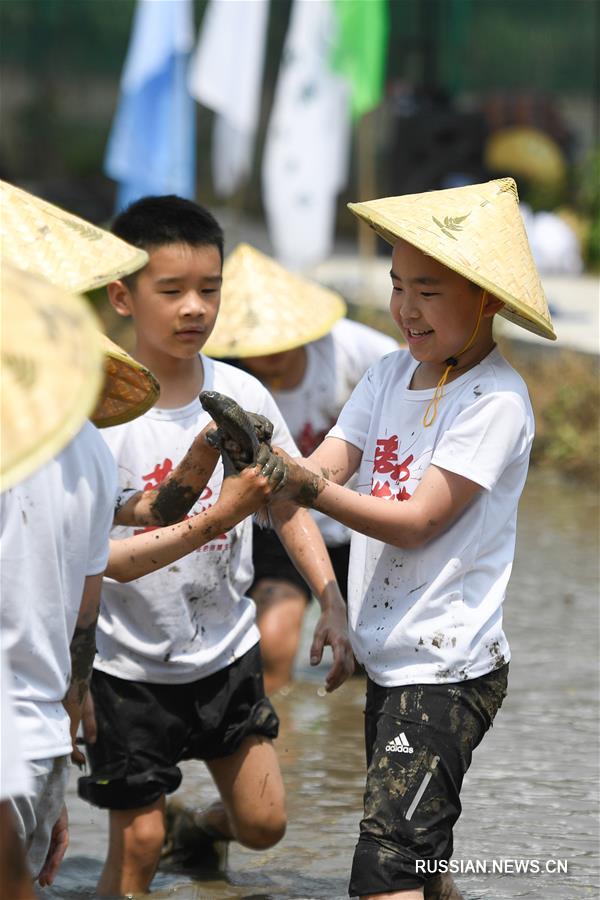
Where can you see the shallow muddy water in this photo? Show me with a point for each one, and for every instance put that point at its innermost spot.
(531, 793)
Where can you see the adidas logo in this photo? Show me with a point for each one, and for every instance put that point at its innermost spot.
(399, 745)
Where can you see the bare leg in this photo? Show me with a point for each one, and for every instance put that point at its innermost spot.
(280, 609)
(135, 840)
(253, 799)
(251, 809)
(15, 878)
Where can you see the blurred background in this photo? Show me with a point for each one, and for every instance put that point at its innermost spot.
(276, 114)
(454, 73)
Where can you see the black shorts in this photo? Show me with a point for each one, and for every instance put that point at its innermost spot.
(271, 561)
(144, 730)
(419, 741)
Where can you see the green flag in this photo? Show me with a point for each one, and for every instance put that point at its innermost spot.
(361, 49)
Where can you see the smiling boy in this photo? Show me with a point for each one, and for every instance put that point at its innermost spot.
(178, 672)
(440, 439)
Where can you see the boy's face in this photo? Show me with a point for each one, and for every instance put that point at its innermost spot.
(435, 308)
(174, 300)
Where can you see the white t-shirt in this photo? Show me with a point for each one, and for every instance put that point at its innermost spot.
(54, 533)
(15, 776)
(434, 614)
(191, 618)
(335, 364)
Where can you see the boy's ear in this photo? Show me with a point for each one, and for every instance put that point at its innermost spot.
(491, 306)
(120, 297)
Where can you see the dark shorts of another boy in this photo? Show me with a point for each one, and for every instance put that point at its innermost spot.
(271, 561)
(144, 730)
(419, 741)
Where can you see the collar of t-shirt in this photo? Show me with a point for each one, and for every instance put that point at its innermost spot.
(194, 407)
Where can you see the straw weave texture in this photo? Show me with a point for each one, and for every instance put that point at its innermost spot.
(74, 255)
(51, 368)
(478, 232)
(265, 309)
(130, 389)
(66, 250)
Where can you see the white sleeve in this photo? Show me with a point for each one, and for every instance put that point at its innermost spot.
(485, 438)
(354, 420)
(102, 516)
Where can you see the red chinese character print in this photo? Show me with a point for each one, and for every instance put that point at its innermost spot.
(386, 454)
(381, 489)
(386, 462)
(158, 474)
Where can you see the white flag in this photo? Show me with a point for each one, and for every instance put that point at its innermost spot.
(306, 158)
(226, 76)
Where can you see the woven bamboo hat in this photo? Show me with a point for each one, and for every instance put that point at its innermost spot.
(51, 366)
(477, 231)
(130, 389)
(265, 309)
(75, 256)
(66, 250)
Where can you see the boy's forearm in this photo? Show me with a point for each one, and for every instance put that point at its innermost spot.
(438, 500)
(83, 650)
(175, 496)
(304, 544)
(137, 556)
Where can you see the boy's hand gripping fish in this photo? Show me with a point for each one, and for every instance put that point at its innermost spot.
(243, 438)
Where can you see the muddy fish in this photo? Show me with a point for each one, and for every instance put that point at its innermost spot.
(239, 434)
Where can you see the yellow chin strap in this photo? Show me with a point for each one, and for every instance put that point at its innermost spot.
(451, 363)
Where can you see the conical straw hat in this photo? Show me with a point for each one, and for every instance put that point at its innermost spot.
(66, 250)
(74, 255)
(51, 367)
(478, 232)
(129, 388)
(266, 309)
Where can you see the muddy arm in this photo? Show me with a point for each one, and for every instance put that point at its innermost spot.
(241, 495)
(175, 496)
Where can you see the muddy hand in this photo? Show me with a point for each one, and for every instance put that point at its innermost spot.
(263, 427)
(301, 485)
(242, 494)
(273, 467)
(220, 440)
(237, 431)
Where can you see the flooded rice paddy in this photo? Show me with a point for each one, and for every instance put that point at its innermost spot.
(531, 793)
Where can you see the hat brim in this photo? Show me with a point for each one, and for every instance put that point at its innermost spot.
(129, 389)
(265, 309)
(51, 369)
(42, 238)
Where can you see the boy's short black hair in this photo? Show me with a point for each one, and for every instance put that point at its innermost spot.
(153, 222)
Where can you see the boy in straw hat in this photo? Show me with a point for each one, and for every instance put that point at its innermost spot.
(440, 439)
(290, 333)
(178, 673)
